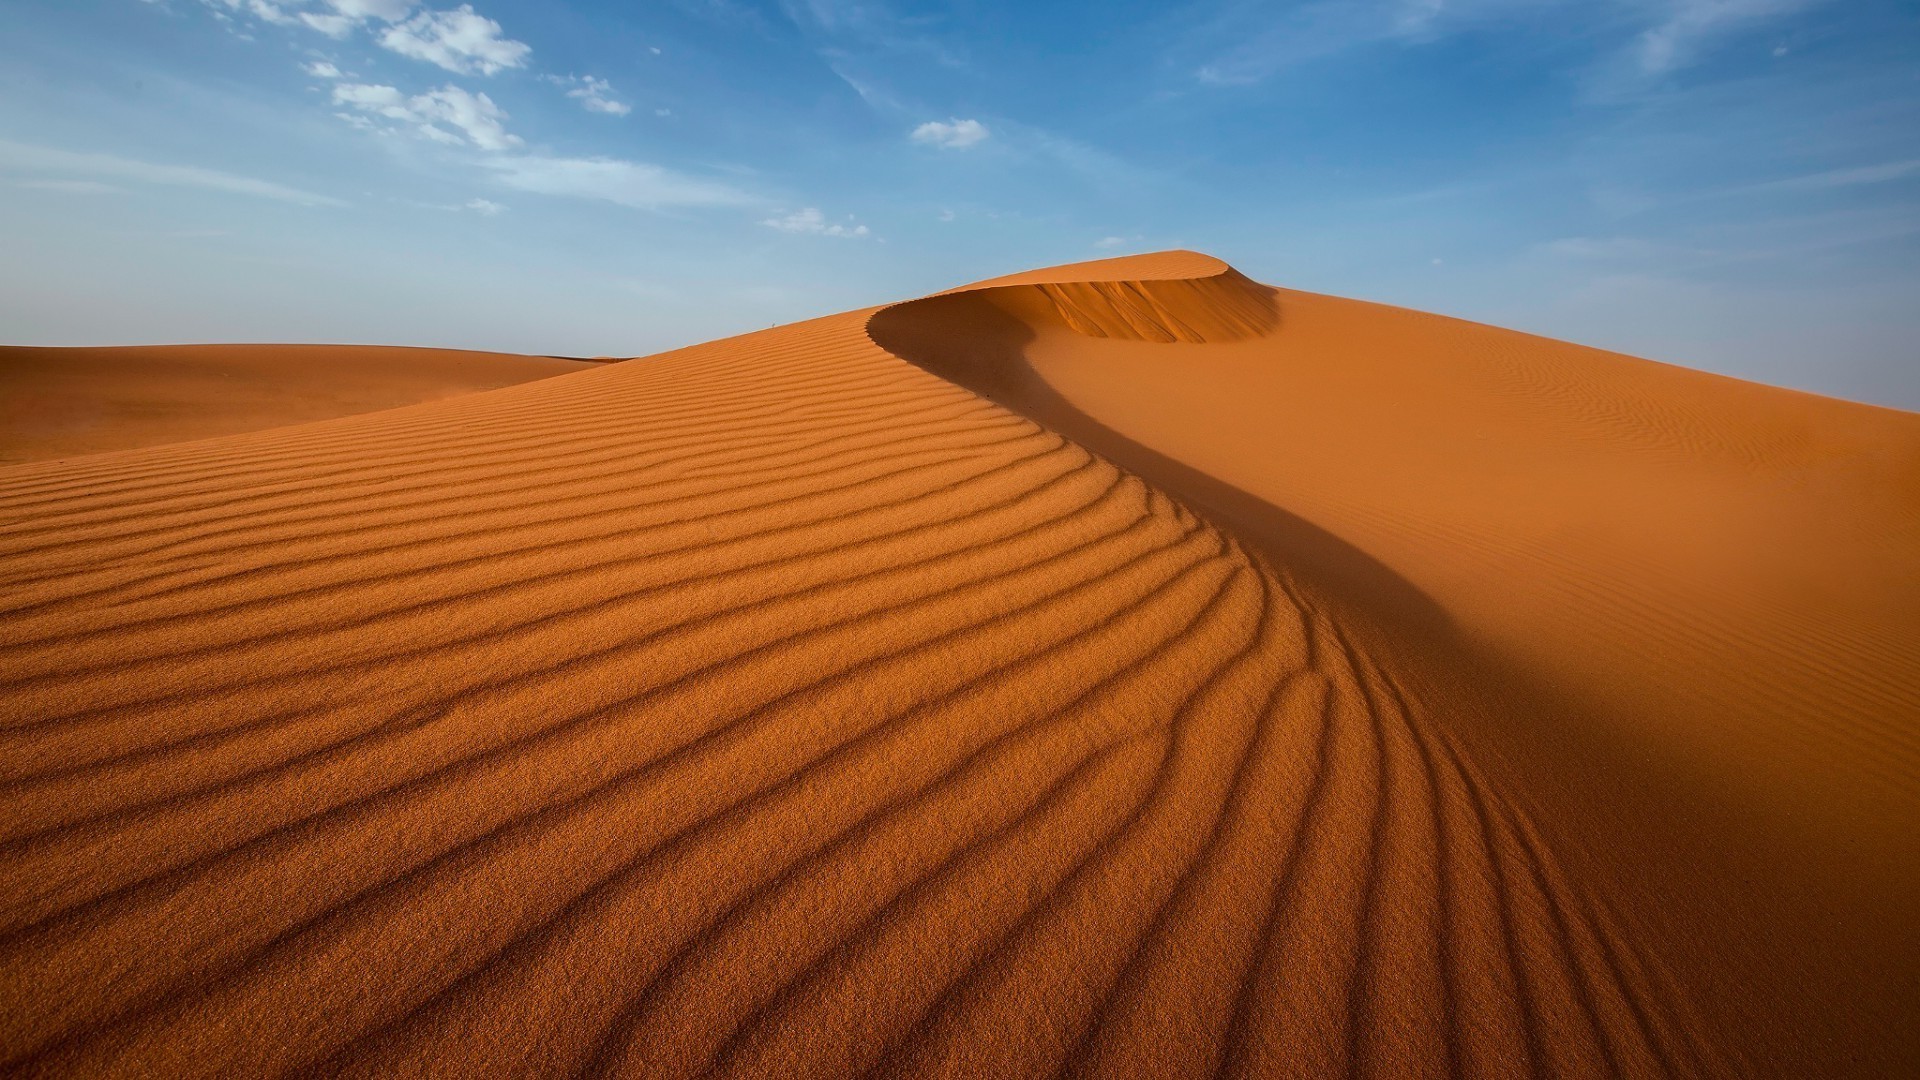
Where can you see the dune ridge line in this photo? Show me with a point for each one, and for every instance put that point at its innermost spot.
(838, 699)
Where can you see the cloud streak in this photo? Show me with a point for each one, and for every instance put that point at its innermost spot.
(462, 41)
(1660, 36)
(448, 115)
(1842, 178)
(594, 95)
(1688, 25)
(955, 134)
(811, 222)
(25, 157)
(625, 183)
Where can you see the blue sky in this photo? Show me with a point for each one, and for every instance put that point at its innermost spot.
(1727, 184)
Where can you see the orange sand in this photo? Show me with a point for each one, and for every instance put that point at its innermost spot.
(66, 402)
(1119, 670)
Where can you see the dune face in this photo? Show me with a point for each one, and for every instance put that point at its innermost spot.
(880, 695)
(68, 402)
(1675, 607)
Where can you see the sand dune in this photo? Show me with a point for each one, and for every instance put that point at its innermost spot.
(872, 695)
(67, 402)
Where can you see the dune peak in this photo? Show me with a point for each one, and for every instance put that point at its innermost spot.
(1115, 669)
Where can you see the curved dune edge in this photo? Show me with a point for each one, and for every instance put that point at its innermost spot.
(68, 402)
(772, 707)
(1809, 973)
(1180, 296)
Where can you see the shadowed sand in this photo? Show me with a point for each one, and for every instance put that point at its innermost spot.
(66, 402)
(872, 696)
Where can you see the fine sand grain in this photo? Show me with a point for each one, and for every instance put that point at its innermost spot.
(1120, 670)
(58, 403)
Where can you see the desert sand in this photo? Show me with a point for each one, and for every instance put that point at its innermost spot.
(1124, 669)
(66, 402)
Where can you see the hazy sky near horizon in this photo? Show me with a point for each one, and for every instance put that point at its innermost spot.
(1727, 184)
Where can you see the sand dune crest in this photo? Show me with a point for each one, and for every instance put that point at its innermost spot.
(794, 704)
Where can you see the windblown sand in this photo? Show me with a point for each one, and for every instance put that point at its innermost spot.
(1123, 669)
(67, 402)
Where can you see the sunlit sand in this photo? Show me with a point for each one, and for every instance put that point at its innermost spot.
(1124, 669)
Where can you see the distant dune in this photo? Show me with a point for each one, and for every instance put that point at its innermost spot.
(1123, 669)
(67, 402)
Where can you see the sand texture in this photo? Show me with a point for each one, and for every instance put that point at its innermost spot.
(57, 403)
(1121, 670)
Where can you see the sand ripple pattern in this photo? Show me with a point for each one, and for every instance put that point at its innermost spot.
(767, 708)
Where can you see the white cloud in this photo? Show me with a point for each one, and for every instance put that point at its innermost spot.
(1688, 24)
(484, 207)
(460, 40)
(596, 95)
(42, 159)
(320, 69)
(1843, 178)
(1109, 242)
(265, 10)
(1250, 42)
(1414, 18)
(334, 26)
(1259, 41)
(348, 14)
(812, 222)
(474, 117)
(955, 134)
(626, 183)
(387, 10)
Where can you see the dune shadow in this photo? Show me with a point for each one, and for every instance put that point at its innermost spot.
(968, 339)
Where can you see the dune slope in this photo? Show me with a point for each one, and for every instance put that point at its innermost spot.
(780, 707)
(66, 402)
(1680, 609)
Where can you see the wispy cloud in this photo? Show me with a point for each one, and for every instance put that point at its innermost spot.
(875, 95)
(336, 19)
(1842, 178)
(272, 11)
(1684, 27)
(1091, 165)
(955, 134)
(24, 157)
(460, 40)
(388, 10)
(874, 26)
(449, 114)
(594, 95)
(812, 222)
(626, 183)
(1265, 42)
(1253, 42)
(334, 26)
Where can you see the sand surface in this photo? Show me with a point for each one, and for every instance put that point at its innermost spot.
(57, 403)
(1121, 670)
